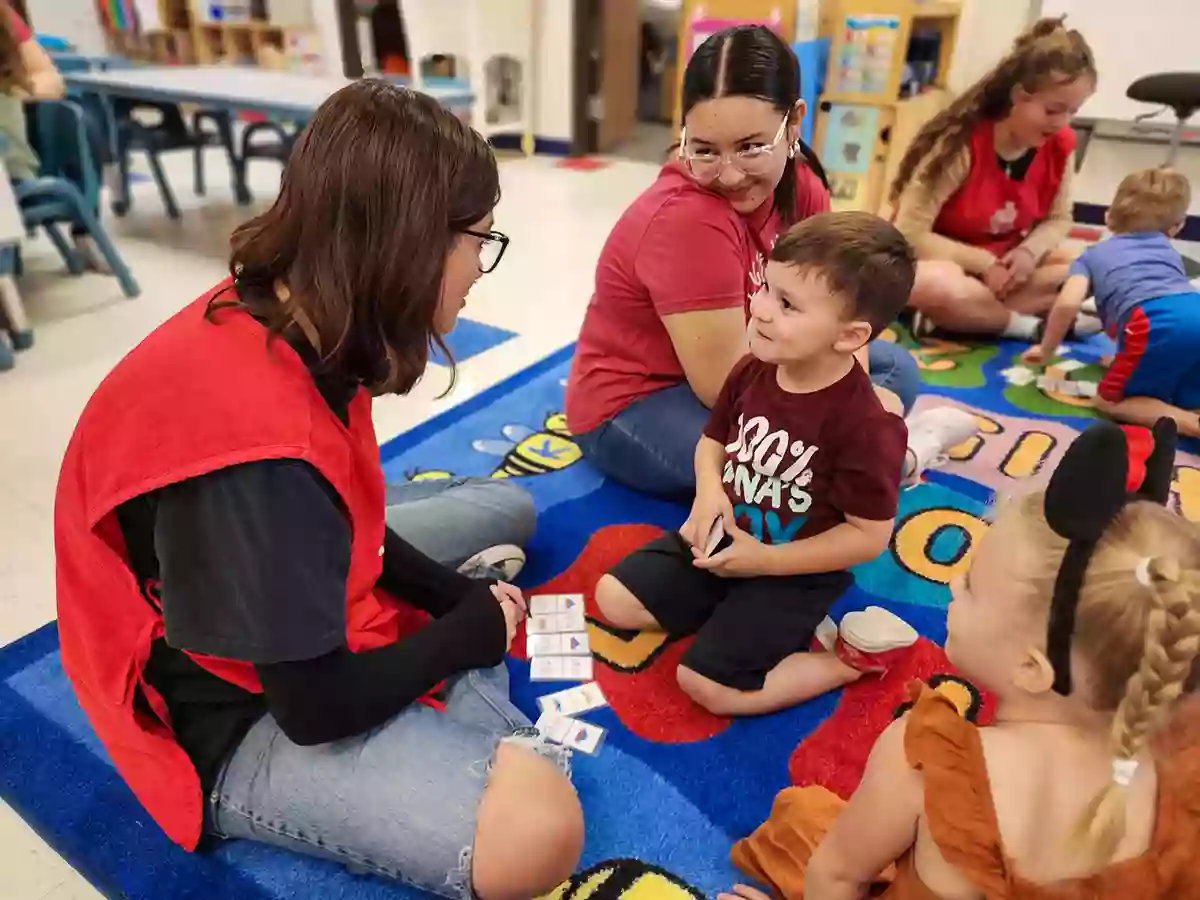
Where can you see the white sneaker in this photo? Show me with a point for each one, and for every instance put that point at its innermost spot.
(933, 432)
(504, 561)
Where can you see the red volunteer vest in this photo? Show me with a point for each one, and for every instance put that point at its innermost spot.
(995, 212)
(194, 397)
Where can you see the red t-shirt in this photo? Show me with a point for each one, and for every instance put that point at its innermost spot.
(798, 464)
(678, 248)
(20, 30)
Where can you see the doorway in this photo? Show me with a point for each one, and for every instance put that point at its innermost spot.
(624, 66)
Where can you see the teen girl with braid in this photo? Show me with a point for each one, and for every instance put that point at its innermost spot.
(984, 191)
(1080, 613)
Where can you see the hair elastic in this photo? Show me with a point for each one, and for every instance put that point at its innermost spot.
(1142, 572)
(1123, 771)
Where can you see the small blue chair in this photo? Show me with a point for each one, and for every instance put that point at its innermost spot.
(68, 190)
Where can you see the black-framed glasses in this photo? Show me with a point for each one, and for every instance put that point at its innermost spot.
(492, 248)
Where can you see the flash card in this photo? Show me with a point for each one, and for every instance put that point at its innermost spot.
(717, 540)
(560, 668)
(554, 726)
(1087, 388)
(552, 604)
(1066, 366)
(557, 623)
(573, 644)
(583, 736)
(574, 701)
(1019, 375)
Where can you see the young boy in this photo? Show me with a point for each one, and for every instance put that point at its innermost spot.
(1145, 302)
(799, 466)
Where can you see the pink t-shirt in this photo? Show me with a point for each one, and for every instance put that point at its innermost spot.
(20, 30)
(678, 248)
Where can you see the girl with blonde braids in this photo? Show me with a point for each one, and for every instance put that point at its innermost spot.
(1080, 613)
(984, 191)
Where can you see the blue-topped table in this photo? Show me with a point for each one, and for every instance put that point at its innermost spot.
(283, 95)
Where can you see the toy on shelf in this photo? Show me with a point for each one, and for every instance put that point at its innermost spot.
(208, 32)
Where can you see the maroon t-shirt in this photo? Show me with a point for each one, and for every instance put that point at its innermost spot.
(799, 464)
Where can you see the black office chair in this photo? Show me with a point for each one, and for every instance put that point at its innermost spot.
(1178, 91)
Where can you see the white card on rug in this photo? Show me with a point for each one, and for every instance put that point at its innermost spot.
(1087, 388)
(576, 644)
(560, 668)
(1019, 375)
(544, 645)
(584, 737)
(574, 701)
(1069, 365)
(554, 726)
(554, 604)
(541, 623)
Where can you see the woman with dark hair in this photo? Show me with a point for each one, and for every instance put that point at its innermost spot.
(667, 320)
(226, 582)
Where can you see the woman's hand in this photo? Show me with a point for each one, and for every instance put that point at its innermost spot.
(513, 605)
(710, 504)
(1021, 265)
(744, 892)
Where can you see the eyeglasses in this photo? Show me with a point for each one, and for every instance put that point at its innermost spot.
(492, 248)
(705, 165)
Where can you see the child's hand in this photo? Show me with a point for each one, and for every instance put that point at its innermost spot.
(743, 558)
(744, 892)
(996, 278)
(706, 509)
(1034, 356)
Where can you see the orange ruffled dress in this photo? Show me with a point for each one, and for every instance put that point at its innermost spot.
(946, 749)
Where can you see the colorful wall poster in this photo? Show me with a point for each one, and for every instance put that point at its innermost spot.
(850, 133)
(866, 54)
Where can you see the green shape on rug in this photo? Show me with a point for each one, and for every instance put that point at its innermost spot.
(1032, 399)
(945, 363)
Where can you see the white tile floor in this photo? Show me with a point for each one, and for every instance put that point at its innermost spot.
(557, 219)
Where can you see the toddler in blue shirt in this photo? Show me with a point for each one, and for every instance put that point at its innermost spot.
(1145, 302)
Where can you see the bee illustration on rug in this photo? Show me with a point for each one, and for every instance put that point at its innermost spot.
(524, 452)
(529, 452)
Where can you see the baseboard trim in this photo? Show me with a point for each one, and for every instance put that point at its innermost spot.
(1093, 214)
(545, 146)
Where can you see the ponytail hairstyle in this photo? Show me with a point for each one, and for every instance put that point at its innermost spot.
(1047, 53)
(753, 61)
(1136, 628)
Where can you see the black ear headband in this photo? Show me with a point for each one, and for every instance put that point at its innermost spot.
(1104, 469)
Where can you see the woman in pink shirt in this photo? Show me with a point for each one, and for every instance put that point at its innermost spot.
(667, 321)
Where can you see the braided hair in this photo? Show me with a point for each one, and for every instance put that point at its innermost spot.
(1138, 628)
(752, 61)
(1046, 52)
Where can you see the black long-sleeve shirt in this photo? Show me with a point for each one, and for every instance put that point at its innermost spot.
(250, 563)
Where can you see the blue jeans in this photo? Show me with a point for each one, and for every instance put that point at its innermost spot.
(651, 444)
(398, 801)
(452, 520)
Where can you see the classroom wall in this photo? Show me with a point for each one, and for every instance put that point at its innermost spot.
(555, 66)
(74, 20)
(985, 33)
(555, 70)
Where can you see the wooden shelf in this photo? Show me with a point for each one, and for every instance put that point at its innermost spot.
(184, 37)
